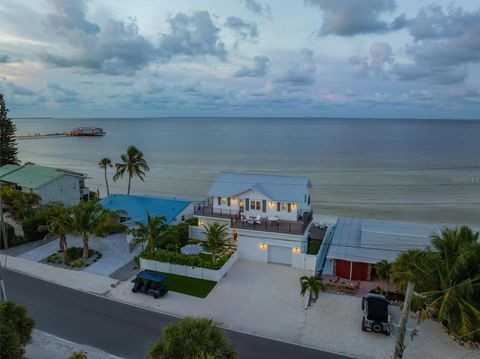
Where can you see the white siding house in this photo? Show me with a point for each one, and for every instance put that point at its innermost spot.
(268, 216)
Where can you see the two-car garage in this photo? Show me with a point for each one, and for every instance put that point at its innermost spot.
(280, 255)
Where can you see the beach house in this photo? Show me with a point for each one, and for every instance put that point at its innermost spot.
(359, 243)
(268, 216)
(52, 184)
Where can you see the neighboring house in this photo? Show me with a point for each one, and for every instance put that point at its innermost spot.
(359, 243)
(52, 184)
(268, 216)
(137, 208)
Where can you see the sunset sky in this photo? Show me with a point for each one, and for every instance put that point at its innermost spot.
(315, 58)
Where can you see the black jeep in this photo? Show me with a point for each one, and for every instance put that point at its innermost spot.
(150, 283)
(375, 314)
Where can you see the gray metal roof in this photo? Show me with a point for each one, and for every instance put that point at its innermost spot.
(277, 188)
(371, 240)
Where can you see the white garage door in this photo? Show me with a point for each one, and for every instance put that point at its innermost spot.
(280, 255)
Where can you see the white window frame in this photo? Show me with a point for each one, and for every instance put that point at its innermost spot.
(255, 205)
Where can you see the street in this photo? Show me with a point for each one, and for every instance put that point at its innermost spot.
(122, 330)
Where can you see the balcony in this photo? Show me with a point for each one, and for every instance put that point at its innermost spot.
(279, 226)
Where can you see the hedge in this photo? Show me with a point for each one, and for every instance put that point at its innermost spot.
(163, 255)
(30, 225)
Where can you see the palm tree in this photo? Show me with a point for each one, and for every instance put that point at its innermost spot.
(149, 232)
(216, 238)
(448, 277)
(192, 338)
(313, 284)
(58, 224)
(91, 218)
(383, 270)
(132, 163)
(104, 164)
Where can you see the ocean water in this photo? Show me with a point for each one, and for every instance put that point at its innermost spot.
(419, 170)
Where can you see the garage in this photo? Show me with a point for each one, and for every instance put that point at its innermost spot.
(280, 255)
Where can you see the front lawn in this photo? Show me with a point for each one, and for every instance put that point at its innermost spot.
(187, 285)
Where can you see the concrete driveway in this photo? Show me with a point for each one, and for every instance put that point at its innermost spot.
(114, 249)
(264, 299)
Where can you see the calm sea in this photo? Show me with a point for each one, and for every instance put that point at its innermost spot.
(421, 170)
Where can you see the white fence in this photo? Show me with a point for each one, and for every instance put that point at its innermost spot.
(189, 271)
(304, 261)
(196, 232)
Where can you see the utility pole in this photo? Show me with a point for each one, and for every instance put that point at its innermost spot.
(3, 292)
(402, 328)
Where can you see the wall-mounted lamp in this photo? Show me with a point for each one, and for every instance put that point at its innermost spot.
(233, 200)
(294, 205)
(263, 246)
(200, 223)
(270, 204)
(296, 250)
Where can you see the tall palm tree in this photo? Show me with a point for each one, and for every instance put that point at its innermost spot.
(104, 164)
(192, 338)
(90, 218)
(132, 163)
(313, 284)
(383, 270)
(448, 277)
(216, 238)
(149, 232)
(58, 224)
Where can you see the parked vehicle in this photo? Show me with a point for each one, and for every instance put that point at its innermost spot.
(150, 283)
(375, 314)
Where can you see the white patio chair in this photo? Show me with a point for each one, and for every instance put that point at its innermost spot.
(258, 220)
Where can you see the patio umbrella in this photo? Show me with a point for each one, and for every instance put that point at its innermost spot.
(192, 249)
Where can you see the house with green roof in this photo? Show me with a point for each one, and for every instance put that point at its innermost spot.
(52, 184)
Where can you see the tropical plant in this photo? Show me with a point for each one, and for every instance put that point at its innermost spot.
(448, 277)
(104, 164)
(383, 270)
(149, 232)
(133, 164)
(192, 338)
(20, 204)
(216, 238)
(313, 284)
(92, 219)
(8, 141)
(15, 330)
(58, 224)
(78, 355)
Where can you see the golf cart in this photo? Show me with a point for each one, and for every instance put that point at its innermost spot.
(150, 283)
(375, 314)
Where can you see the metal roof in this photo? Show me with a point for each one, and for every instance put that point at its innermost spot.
(371, 240)
(31, 176)
(277, 188)
(137, 207)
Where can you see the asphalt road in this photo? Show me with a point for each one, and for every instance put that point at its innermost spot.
(120, 329)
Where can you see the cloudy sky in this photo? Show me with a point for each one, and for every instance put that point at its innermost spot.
(316, 58)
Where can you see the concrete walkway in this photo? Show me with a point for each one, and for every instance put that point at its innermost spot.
(263, 299)
(46, 346)
(114, 249)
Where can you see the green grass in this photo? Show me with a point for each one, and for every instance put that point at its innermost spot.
(314, 246)
(187, 285)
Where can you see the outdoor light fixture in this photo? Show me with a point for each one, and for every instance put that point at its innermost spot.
(294, 205)
(233, 200)
(263, 246)
(296, 250)
(270, 204)
(201, 223)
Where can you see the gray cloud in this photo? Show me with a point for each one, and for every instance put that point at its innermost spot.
(10, 88)
(6, 59)
(243, 29)
(258, 69)
(59, 93)
(257, 8)
(68, 16)
(192, 35)
(351, 17)
(380, 57)
(117, 48)
(300, 74)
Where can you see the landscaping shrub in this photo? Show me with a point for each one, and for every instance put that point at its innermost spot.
(78, 355)
(54, 258)
(13, 239)
(30, 225)
(15, 330)
(77, 263)
(74, 253)
(203, 261)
